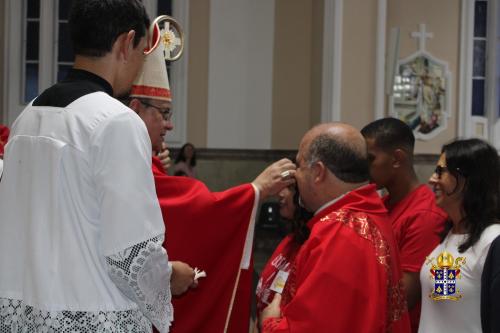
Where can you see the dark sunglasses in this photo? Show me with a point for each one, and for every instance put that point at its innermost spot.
(441, 169)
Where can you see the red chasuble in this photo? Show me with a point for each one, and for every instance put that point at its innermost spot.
(208, 231)
(346, 276)
(417, 224)
(4, 136)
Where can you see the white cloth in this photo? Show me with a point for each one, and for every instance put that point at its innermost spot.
(1, 167)
(77, 189)
(249, 238)
(462, 315)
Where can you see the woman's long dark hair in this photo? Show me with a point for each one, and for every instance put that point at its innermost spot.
(477, 163)
(182, 157)
(301, 216)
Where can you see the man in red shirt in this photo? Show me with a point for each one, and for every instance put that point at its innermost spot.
(416, 220)
(346, 275)
(210, 231)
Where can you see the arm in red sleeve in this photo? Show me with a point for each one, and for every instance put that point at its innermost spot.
(419, 239)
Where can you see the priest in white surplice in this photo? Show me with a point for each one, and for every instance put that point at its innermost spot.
(81, 231)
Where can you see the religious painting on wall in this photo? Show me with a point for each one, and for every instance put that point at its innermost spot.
(421, 94)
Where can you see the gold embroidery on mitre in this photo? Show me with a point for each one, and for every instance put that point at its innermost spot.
(445, 271)
(169, 39)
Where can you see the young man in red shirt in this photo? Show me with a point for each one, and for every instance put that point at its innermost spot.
(416, 220)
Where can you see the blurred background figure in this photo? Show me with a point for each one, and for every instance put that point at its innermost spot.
(185, 162)
(180, 173)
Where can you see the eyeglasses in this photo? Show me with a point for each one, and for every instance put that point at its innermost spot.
(440, 170)
(165, 113)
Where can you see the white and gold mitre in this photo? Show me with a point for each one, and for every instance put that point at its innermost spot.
(153, 81)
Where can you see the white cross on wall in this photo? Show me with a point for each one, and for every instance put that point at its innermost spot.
(422, 35)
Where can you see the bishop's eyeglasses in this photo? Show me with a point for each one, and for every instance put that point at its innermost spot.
(166, 113)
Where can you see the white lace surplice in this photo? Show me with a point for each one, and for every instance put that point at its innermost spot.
(80, 238)
(140, 272)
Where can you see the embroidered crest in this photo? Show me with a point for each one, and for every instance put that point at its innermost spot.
(445, 273)
(169, 39)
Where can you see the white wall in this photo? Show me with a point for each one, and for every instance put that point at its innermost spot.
(240, 74)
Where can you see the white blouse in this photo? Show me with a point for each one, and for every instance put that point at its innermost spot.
(461, 314)
(81, 228)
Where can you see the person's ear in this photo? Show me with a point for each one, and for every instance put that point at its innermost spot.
(135, 105)
(125, 44)
(399, 158)
(319, 171)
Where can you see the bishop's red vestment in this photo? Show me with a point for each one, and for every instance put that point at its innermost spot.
(208, 230)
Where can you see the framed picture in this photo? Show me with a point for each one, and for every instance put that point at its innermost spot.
(421, 94)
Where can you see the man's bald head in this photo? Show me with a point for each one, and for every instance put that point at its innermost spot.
(341, 148)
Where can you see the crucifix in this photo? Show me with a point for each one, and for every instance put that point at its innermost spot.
(422, 35)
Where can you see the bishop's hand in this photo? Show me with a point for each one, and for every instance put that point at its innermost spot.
(164, 157)
(275, 177)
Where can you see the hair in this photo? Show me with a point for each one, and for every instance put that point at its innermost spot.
(477, 163)
(299, 221)
(390, 134)
(342, 158)
(182, 157)
(96, 24)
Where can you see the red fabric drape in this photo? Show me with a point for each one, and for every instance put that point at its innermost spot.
(4, 136)
(207, 230)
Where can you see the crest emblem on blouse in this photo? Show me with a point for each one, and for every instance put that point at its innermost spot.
(445, 272)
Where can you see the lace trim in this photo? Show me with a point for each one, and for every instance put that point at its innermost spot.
(142, 273)
(17, 317)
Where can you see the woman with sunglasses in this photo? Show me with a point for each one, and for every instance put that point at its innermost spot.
(466, 185)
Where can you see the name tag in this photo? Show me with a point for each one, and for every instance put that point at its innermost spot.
(279, 282)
